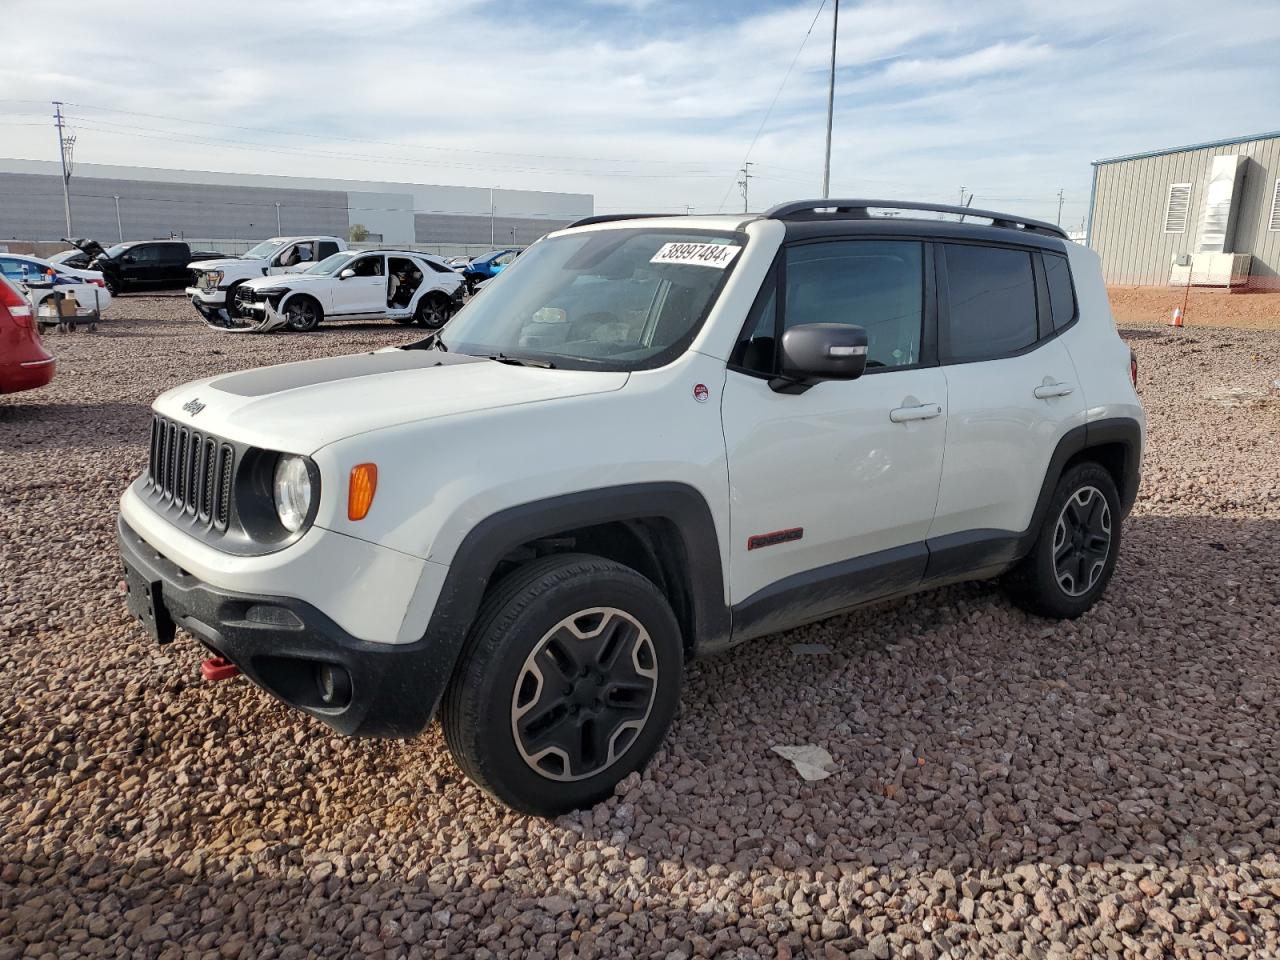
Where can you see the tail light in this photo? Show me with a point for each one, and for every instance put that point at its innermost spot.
(1133, 368)
(98, 283)
(18, 306)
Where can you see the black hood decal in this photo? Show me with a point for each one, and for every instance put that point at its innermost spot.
(308, 373)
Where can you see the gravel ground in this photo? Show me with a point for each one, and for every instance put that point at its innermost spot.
(1003, 786)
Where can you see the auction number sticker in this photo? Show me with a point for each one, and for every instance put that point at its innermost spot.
(718, 255)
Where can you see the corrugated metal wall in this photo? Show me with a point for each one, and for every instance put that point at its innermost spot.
(31, 209)
(1129, 205)
(454, 228)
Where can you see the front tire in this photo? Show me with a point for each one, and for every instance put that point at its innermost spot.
(568, 683)
(1075, 553)
(303, 314)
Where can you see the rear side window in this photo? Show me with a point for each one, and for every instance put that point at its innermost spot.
(327, 249)
(1062, 299)
(991, 301)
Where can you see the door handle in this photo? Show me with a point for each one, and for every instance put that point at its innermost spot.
(925, 411)
(1049, 390)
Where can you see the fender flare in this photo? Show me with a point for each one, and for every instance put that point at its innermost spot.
(497, 535)
(1124, 431)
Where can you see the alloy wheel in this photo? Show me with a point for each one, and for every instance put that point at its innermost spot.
(1081, 541)
(584, 694)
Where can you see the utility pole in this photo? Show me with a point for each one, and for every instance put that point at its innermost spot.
(1059, 206)
(119, 228)
(62, 158)
(279, 229)
(743, 184)
(831, 102)
(688, 210)
(491, 218)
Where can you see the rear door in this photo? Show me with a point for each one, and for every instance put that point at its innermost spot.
(172, 269)
(1012, 391)
(832, 490)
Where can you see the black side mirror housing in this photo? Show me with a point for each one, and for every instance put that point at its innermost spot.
(813, 352)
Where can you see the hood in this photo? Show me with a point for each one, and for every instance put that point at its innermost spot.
(221, 264)
(301, 407)
(92, 247)
(289, 280)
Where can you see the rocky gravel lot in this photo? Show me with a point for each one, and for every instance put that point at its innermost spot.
(1003, 786)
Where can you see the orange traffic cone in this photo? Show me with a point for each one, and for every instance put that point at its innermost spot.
(1176, 319)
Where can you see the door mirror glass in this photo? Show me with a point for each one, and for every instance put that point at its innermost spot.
(813, 352)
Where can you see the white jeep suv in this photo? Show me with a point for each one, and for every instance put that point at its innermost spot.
(650, 439)
(399, 285)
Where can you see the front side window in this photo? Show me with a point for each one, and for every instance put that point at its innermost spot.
(368, 267)
(991, 302)
(624, 299)
(874, 284)
(146, 254)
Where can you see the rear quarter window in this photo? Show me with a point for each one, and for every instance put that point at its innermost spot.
(1062, 297)
(991, 302)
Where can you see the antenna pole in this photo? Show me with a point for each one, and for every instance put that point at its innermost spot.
(831, 103)
(62, 158)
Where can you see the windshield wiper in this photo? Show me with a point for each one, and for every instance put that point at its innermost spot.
(431, 341)
(521, 361)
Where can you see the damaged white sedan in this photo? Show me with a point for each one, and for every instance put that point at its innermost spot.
(399, 285)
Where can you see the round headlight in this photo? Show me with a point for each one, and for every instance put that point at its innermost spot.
(292, 488)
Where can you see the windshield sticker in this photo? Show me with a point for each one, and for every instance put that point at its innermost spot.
(718, 255)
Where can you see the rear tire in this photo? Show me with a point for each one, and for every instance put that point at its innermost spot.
(304, 314)
(568, 683)
(1075, 553)
(432, 311)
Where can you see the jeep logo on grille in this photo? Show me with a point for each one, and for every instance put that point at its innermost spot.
(193, 406)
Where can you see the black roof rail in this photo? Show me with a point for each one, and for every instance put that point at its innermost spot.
(857, 210)
(610, 217)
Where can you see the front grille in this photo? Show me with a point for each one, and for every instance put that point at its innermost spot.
(191, 472)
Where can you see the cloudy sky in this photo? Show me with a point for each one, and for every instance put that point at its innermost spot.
(650, 104)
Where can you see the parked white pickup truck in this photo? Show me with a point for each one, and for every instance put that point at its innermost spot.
(216, 280)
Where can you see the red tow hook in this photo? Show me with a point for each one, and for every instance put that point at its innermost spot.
(218, 668)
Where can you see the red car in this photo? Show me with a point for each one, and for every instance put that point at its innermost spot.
(24, 362)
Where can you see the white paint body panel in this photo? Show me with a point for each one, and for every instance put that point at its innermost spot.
(458, 443)
(831, 461)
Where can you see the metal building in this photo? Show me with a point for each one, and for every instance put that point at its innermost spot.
(139, 203)
(1206, 214)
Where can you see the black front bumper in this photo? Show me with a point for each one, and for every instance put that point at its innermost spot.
(282, 644)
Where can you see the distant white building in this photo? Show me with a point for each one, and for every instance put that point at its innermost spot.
(111, 203)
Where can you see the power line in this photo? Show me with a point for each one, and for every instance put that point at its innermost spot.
(384, 143)
(774, 101)
(152, 133)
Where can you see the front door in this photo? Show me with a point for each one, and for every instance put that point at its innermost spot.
(366, 291)
(832, 490)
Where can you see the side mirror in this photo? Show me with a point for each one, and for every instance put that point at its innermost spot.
(813, 352)
(347, 274)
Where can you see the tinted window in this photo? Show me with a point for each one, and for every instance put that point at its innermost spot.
(992, 302)
(144, 254)
(755, 348)
(1062, 299)
(327, 249)
(874, 284)
(368, 267)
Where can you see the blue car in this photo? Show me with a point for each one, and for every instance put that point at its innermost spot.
(486, 266)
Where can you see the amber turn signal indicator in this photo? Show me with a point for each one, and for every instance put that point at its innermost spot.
(364, 483)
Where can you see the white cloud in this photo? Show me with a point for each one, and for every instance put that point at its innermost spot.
(645, 103)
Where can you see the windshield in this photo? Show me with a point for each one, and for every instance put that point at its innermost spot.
(610, 299)
(330, 264)
(263, 250)
(115, 250)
